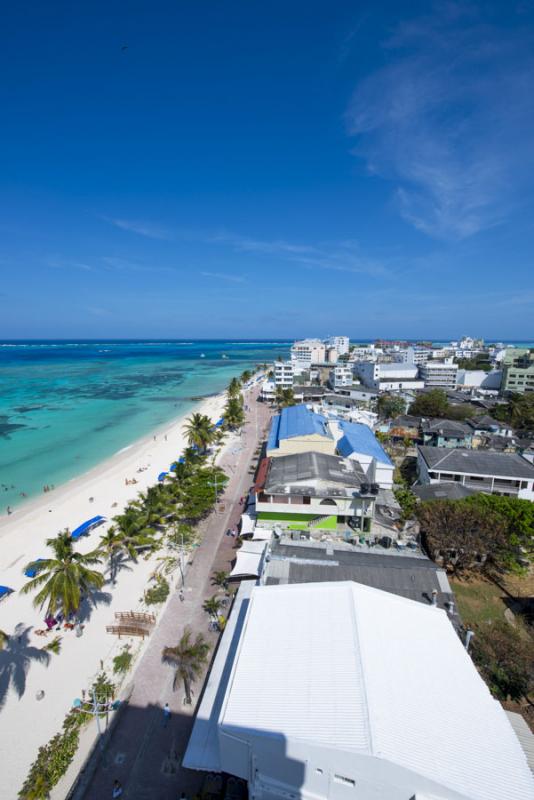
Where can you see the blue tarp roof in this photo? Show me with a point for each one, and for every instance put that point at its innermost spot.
(31, 573)
(161, 476)
(358, 438)
(5, 590)
(85, 527)
(296, 421)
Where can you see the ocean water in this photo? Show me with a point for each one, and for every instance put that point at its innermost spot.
(66, 406)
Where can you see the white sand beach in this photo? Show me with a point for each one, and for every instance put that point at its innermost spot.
(25, 722)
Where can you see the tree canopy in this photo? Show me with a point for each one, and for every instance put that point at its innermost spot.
(389, 406)
(517, 412)
(436, 404)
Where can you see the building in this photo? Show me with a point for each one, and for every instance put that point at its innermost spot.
(284, 374)
(268, 391)
(485, 425)
(479, 379)
(313, 492)
(518, 370)
(485, 471)
(446, 433)
(359, 442)
(414, 355)
(389, 377)
(439, 374)
(340, 343)
(341, 375)
(307, 352)
(442, 491)
(297, 429)
(338, 690)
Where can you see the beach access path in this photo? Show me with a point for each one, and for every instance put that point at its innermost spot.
(143, 754)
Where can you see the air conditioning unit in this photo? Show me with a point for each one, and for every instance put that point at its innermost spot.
(364, 488)
(375, 488)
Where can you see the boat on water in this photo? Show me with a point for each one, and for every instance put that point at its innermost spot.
(202, 355)
(224, 355)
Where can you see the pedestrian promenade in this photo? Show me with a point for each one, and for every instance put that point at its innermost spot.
(144, 754)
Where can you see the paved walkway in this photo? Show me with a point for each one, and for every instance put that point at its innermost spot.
(143, 754)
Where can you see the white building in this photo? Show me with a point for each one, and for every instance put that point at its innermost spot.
(340, 343)
(479, 379)
(341, 375)
(340, 691)
(284, 373)
(442, 374)
(308, 351)
(482, 470)
(268, 391)
(389, 377)
(414, 355)
(369, 353)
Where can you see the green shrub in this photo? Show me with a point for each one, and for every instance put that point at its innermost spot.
(158, 593)
(122, 662)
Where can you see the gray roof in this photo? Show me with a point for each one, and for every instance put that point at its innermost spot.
(413, 577)
(446, 427)
(442, 491)
(314, 474)
(406, 421)
(477, 462)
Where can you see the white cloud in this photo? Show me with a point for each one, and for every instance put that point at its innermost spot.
(449, 121)
(142, 228)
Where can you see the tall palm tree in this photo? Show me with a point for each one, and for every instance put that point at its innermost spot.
(133, 532)
(234, 416)
(220, 578)
(246, 376)
(199, 430)
(187, 657)
(284, 397)
(234, 388)
(111, 546)
(63, 581)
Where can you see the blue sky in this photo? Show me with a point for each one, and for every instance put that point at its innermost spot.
(266, 169)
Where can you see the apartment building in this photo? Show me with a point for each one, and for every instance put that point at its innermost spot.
(389, 377)
(439, 374)
(308, 351)
(284, 373)
(340, 343)
(518, 370)
(342, 375)
(414, 355)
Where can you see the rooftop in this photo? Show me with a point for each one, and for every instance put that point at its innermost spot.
(390, 680)
(477, 462)
(296, 421)
(314, 474)
(358, 438)
(443, 491)
(447, 427)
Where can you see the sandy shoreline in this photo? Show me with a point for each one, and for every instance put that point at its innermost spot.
(22, 539)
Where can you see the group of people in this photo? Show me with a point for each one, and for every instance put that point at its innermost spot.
(47, 488)
(128, 481)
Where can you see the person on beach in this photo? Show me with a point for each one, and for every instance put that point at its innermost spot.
(9, 511)
(117, 790)
(166, 715)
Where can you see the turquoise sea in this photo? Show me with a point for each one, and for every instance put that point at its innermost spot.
(65, 406)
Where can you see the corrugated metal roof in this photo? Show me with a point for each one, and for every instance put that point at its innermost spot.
(390, 679)
(296, 421)
(358, 438)
(477, 462)
(524, 735)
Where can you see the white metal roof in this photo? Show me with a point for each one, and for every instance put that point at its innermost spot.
(247, 524)
(249, 559)
(362, 670)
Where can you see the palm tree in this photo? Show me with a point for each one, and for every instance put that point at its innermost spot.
(284, 397)
(199, 430)
(246, 376)
(187, 657)
(212, 606)
(111, 546)
(234, 416)
(65, 579)
(220, 579)
(234, 388)
(133, 532)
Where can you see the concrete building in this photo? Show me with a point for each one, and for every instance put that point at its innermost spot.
(340, 343)
(439, 374)
(485, 471)
(414, 355)
(389, 377)
(314, 492)
(358, 442)
(518, 371)
(479, 379)
(307, 352)
(268, 391)
(284, 373)
(297, 429)
(341, 375)
(338, 690)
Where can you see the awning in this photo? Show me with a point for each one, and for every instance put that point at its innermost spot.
(172, 468)
(161, 476)
(85, 527)
(249, 561)
(4, 591)
(31, 573)
(219, 422)
(261, 474)
(262, 534)
(247, 525)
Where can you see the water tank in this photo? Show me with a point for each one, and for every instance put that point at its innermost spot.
(364, 488)
(375, 488)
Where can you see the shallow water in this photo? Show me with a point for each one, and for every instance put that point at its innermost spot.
(65, 406)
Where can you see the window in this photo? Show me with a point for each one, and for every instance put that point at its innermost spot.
(344, 781)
